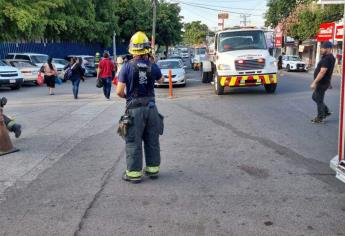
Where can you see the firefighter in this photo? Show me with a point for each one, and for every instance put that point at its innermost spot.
(141, 123)
(11, 124)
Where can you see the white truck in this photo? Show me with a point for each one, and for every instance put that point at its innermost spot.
(240, 58)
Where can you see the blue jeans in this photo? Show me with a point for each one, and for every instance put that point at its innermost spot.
(107, 86)
(75, 83)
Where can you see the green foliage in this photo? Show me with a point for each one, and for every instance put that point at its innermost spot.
(169, 24)
(194, 33)
(87, 20)
(278, 10)
(305, 21)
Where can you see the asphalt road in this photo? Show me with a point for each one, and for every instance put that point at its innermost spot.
(245, 163)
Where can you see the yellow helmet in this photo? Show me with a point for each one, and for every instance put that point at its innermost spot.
(139, 44)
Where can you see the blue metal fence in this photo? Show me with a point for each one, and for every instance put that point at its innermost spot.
(58, 50)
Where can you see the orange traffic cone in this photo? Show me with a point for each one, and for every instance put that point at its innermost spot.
(6, 146)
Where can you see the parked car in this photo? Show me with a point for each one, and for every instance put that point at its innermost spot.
(88, 63)
(10, 76)
(60, 61)
(35, 58)
(293, 63)
(27, 68)
(177, 70)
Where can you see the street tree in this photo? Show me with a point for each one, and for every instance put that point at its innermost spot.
(169, 24)
(278, 10)
(194, 33)
(303, 23)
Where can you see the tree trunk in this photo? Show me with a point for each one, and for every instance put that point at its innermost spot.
(166, 51)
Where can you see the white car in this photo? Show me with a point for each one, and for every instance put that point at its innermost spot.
(293, 63)
(10, 77)
(35, 58)
(177, 71)
(27, 68)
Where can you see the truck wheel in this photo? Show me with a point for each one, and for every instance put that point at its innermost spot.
(206, 77)
(218, 89)
(270, 88)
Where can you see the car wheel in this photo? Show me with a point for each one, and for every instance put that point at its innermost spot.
(270, 88)
(288, 68)
(218, 88)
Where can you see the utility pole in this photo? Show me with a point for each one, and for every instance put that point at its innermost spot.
(245, 20)
(114, 46)
(154, 19)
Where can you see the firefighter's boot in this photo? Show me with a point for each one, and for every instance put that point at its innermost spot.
(17, 130)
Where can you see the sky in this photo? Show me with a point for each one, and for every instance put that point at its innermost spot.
(206, 11)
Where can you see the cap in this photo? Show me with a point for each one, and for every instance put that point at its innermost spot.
(327, 44)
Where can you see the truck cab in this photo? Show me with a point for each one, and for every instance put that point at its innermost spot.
(240, 58)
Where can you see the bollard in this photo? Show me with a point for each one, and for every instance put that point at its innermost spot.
(6, 146)
(170, 84)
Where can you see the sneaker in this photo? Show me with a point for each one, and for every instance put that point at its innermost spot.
(151, 175)
(328, 114)
(17, 131)
(125, 177)
(317, 120)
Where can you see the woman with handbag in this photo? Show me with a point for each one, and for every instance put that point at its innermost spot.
(50, 73)
(77, 75)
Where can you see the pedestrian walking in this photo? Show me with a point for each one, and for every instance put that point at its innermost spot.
(141, 122)
(322, 81)
(280, 64)
(105, 71)
(77, 75)
(50, 73)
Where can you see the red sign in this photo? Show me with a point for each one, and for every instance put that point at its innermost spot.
(339, 32)
(326, 32)
(278, 39)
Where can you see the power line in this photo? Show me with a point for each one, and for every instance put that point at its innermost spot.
(209, 8)
(226, 7)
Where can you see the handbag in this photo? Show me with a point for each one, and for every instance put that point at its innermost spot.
(58, 80)
(99, 83)
(40, 79)
(115, 80)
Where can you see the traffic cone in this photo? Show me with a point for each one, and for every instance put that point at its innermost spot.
(6, 146)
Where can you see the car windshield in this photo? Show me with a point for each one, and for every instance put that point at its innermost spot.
(200, 51)
(293, 58)
(169, 64)
(22, 64)
(2, 64)
(39, 58)
(241, 40)
(185, 50)
(60, 61)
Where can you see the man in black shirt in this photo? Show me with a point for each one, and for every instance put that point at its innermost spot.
(322, 81)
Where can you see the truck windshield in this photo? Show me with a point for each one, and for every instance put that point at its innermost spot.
(241, 40)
